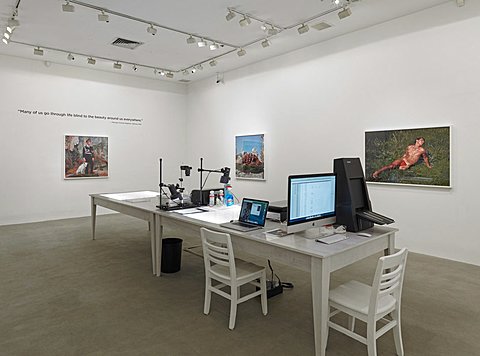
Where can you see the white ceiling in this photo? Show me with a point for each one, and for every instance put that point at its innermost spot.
(44, 24)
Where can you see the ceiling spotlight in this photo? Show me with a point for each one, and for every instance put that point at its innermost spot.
(344, 13)
(68, 7)
(193, 70)
(152, 30)
(162, 73)
(336, 2)
(185, 72)
(191, 40)
(4, 40)
(117, 65)
(272, 31)
(265, 43)
(245, 21)
(134, 68)
(103, 17)
(169, 75)
(230, 15)
(303, 29)
(264, 27)
(241, 52)
(70, 57)
(6, 35)
(212, 63)
(90, 60)
(13, 22)
(214, 46)
(201, 43)
(38, 51)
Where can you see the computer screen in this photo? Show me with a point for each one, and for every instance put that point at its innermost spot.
(253, 211)
(311, 201)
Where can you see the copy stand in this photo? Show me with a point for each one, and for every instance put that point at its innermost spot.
(354, 209)
(225, 178)
(175, 192)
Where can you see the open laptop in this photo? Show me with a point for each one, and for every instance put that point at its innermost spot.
(252, 216)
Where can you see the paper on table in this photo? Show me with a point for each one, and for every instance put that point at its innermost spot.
(219, 215)
(132, 195)
(188, 211)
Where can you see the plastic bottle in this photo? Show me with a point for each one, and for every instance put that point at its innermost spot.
(228, 195)
(220, 197)
(211, 198)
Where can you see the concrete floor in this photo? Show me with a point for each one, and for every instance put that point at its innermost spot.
(63, 294)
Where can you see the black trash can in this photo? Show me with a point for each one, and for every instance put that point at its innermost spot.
(171, 254)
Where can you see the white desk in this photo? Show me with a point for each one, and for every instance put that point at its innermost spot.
(316, 258)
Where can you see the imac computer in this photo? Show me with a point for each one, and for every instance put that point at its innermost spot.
(311, 201)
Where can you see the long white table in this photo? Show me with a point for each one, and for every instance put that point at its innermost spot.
(318, 259)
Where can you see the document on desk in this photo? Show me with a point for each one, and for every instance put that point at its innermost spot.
(188, 211)
(332, 239)
(218, 215)
(132, 196)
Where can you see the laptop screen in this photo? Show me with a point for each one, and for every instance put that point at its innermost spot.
(253, 211)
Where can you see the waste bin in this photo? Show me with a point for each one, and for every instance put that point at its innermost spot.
(171, 254)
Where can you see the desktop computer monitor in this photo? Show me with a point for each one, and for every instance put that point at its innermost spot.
(311, 201)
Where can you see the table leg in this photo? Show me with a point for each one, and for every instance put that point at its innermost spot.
(320, 274)
(93, 212)
(158, 244)
(153, 242)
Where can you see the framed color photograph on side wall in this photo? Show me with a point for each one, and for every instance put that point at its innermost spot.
(250, 157)
(85, 157)
(409, 156)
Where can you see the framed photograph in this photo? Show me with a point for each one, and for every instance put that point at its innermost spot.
(250, 157)
(409, 156)
(85, 157)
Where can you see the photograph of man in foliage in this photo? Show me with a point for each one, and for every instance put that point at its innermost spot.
(411, 156)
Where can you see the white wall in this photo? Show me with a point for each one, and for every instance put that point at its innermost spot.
(32, 187)
(315, 104)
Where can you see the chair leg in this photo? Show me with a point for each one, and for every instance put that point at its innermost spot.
(371, 340)
(397, 333)
(208, 296)
(233, 307)
(263, 296)
(351, 323)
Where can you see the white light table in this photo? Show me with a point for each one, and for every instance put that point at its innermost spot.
(137, 204)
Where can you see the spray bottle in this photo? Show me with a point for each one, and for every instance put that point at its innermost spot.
(229, 201)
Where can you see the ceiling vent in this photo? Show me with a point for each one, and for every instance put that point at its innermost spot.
(184, 81)
(124, 43)
(321, 26)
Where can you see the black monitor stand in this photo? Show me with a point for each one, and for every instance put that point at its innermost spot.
(354, 209)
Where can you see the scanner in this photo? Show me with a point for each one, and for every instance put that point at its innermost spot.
(354, 209)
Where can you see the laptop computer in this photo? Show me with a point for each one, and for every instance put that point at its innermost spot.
(252, 216)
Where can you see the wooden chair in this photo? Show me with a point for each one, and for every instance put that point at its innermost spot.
(380, 302)
(221, 266)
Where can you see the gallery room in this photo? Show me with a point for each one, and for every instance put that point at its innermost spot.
(134, 135)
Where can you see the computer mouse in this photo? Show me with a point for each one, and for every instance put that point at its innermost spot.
(364, 234)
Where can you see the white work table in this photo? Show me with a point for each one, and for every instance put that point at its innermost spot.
(293, 250)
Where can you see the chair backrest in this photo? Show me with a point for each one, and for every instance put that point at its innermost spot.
(218, 250)
(389, 278)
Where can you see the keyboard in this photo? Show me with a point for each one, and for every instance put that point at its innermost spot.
(332, 239)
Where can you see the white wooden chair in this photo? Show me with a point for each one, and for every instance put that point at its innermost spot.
(380, 302)
(220, 265)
